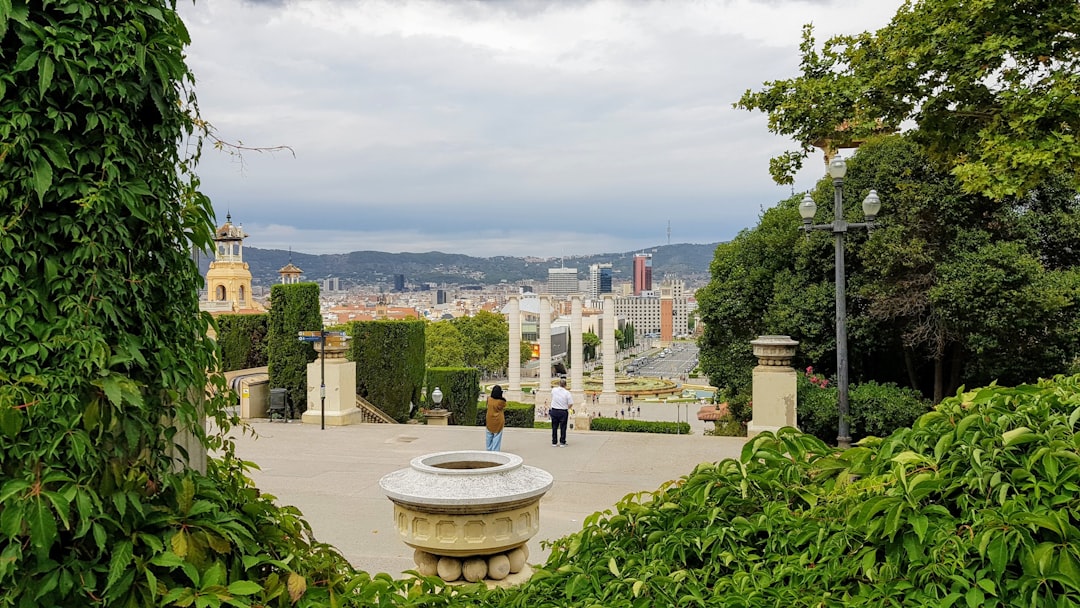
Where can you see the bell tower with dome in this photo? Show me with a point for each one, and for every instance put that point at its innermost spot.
(228, 281)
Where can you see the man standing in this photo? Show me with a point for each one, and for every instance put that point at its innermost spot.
(561, 402)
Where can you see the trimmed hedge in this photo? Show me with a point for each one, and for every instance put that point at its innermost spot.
(389, 357)
(460, 387)
(518, 415)
(293, 308)
(242, 340)
(640, 426)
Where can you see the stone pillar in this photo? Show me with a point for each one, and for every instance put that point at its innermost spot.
(340, 386)
(577, 354)
(608, 396)
(774, 385)
(513, 370)
(543, 391)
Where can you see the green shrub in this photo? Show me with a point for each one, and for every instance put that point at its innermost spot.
(639, 426)
(242, 340)
(389, 357)
(874, 409)
(293, 308)
(974, 505)
(542, 424)
(460, 387)
(518, 415)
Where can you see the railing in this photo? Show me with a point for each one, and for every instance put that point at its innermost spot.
(372, 414)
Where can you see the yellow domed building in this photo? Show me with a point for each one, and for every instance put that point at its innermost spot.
(228, 281)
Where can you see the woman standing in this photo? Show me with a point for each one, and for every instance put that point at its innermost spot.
(495, 419)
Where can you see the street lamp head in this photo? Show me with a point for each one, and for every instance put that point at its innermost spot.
(807, 209)
(436, 396)
(871, 205)
(837, 166)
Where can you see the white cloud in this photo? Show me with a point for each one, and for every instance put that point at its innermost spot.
(474, 125)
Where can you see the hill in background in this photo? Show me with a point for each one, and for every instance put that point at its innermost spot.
(686, 261)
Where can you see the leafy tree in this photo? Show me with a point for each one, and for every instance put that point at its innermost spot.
(293, 308)
(949, 288)
(590, 343)
(485, 341)
(990, 85)
(444, 346)
(389, 357)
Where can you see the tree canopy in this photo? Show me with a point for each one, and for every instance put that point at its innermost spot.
(949, 288)
(990, 86)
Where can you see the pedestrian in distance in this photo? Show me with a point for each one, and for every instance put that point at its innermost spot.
(561, 402)
(496, 419)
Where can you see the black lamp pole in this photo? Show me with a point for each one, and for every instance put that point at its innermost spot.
(871, 205)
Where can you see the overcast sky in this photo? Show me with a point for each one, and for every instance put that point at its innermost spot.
(498, 127)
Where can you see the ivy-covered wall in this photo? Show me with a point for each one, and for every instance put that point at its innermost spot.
(242, 340)
(389, 357)
(460, 387)
(293, 308)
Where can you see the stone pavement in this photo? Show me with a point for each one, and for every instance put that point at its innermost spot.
(333, 475)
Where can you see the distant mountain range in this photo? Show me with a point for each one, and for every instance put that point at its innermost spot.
(686, 261)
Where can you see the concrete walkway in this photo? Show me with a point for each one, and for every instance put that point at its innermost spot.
(333, 475)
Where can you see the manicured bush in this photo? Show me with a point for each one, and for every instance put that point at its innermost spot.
(640, 426)
(242, 340)
(460, 387)
(293, 308)
(518, 415)
(874, 409)
(389, 357)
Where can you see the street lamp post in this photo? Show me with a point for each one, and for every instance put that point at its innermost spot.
(871, 205)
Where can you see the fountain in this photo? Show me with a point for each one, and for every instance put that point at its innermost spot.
(468, 514)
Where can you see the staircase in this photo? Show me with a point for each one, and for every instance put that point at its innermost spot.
(372, 414)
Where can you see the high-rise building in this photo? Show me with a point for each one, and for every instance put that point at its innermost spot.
(599, 280)
(642, 273)
(562, 281)
(399, 282)
(665, 313)
(440, 297)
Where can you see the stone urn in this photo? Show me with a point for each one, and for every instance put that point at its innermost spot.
(467, 513)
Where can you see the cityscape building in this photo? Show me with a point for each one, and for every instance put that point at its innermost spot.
(665, 314)
(599, 280)
(642, 273)
(562, 282)
(399, 282)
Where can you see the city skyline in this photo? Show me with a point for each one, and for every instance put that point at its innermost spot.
(520, 128)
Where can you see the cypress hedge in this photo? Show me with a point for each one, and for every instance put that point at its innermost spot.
(242, 340)
(293, 308)
(460, 387)
(389, 357)
(518, 415)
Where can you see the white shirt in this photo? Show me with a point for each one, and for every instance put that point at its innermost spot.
(561, 399)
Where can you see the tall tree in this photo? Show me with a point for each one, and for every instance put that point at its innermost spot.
(485, 341)
(444, 345)
(990, 85)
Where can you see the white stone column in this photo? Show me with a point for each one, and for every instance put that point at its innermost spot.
(513, 369)
(577, 354)
(543, 391)
(775, 385)
(608, 396)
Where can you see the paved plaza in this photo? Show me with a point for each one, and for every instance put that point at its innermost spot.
(333, 475)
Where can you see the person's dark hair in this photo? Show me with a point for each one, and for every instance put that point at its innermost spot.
(496, 392)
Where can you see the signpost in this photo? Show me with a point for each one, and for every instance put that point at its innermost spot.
(320, 336)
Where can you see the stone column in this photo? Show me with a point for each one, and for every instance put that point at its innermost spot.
(608, 395)
(513, 370)
(577, 354)
(340, 378)
(775, 385)
(543, 391)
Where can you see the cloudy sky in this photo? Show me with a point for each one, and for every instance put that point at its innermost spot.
(498, 127)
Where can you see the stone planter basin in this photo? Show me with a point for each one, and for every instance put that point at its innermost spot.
(466, 503)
